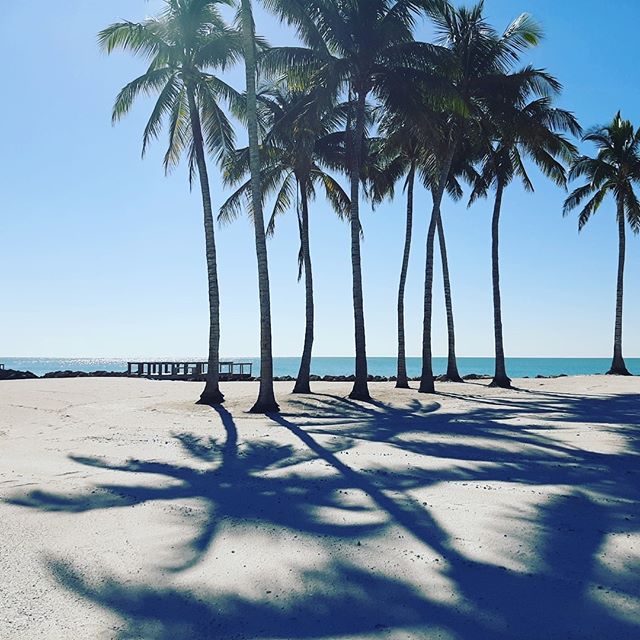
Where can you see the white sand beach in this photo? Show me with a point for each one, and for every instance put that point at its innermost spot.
(129, 512)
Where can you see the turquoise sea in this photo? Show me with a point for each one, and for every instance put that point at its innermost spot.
(517, 367)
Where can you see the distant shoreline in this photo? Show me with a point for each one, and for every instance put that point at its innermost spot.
(341, 368)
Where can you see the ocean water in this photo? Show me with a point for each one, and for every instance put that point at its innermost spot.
(516, 367)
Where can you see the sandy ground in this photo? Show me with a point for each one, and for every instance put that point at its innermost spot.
(126, 512)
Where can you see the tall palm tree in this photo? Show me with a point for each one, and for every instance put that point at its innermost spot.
(266, 401)
(479, 57)
(357, 45)
(461, 166)
(181, 44)
(522, 123)
(398, 156)
(615, 171)
(297, 147)
(412, 142)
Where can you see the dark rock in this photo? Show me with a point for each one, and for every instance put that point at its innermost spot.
(66, 374)
(108, 374)
(14, 374)
(476, 376)
(85, 374)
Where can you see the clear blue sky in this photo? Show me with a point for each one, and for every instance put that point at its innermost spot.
(104, 256)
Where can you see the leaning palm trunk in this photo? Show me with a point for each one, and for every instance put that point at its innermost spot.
(402, 381)
(500, 378)
(302, 381)
(618, 366)
(426, 377)
(360, 389)
(266, 401)
(211, 394)
(452, 365)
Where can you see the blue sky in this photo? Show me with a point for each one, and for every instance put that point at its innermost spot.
(104, 256)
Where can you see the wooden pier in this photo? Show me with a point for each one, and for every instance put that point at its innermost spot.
(193, 370)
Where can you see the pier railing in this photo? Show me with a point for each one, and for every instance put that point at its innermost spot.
(188, 370)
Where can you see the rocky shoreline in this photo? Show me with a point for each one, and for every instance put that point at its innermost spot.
(13, 374)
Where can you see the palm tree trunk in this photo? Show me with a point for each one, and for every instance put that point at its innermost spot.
(302, 381)
(360, 389)
(618, 366)
(452, 364)
(500, 378)
(211, 394)
(402, 381)
(266, 402)
(426, 378)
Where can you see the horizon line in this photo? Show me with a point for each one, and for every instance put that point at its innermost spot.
(256, 357)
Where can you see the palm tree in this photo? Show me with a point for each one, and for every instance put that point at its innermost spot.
(266, 402)
(296, 149)
(398, 156)
(522, 123)
(479, 57)
(461, 165)
(413, 134)
(614, 170)
(357, 45)
(185, 40)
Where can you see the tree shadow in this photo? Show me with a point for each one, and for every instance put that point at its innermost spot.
(235, 485)
(553, 600)
(565, 585)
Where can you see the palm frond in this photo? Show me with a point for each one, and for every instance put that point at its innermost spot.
(218, 131)
(335, 194)
(149, 83)
(180, 136)
(141, 38)
(283, 200)
(165, 104)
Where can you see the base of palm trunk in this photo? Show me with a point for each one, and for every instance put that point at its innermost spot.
(452, 374)
(619, 369)
(427, 386)
(402, 383)
(360, 391)
(265, 407)
(266, 402)
(448, 377)
(502, 382)
(301, 387)
(211, 397)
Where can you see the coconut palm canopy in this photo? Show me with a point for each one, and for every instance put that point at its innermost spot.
(183, 46)
(614, 171)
